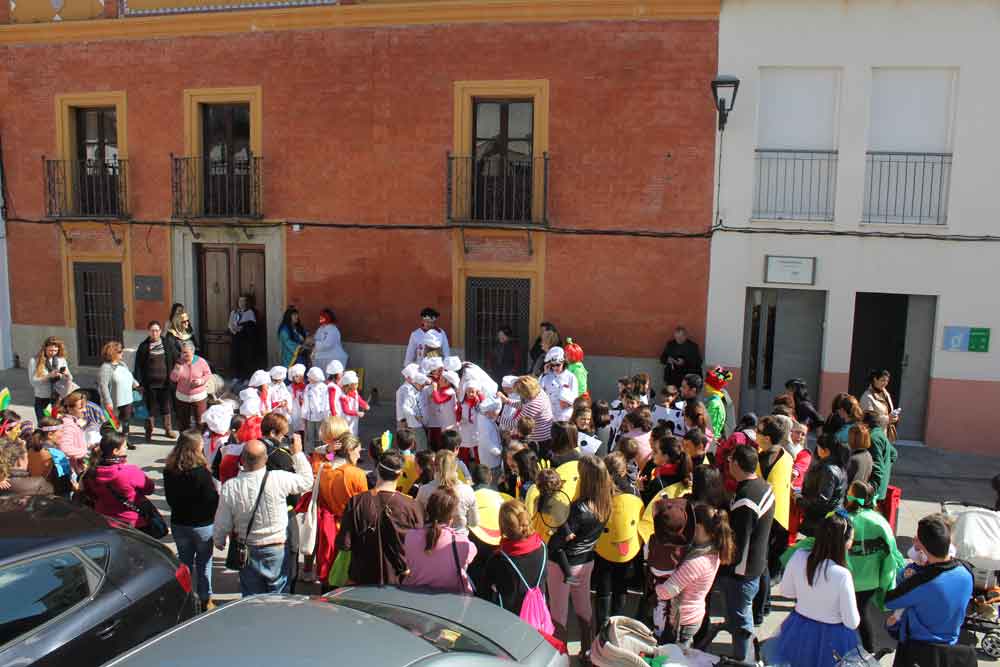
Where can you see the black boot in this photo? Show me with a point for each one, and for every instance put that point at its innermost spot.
(618, 603)
(602, 612)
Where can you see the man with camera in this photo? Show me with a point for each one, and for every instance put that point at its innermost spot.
(253, 515)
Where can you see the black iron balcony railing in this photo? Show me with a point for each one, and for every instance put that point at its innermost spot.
(907, 188)
(498, 189)
(794, 184)
(216, 188)
(86, 188)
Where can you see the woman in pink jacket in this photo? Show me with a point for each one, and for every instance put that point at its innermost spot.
(114, 480)
(72, 439)
(191, 374)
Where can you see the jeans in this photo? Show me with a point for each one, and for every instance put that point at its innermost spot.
(265, 573)
(739, 594)
(194, 549)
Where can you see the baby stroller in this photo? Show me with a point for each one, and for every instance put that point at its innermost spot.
(976, 536)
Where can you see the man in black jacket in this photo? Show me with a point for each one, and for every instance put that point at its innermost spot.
(751, 514)
(680, 357)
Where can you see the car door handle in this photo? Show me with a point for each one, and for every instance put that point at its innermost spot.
(109, 630)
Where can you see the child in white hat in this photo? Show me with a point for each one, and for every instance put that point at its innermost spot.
(278, 393)
(408, 407)
(260, 381)
(315, 407)
(556, 380)
(353, 406)
(297, 374)
(217, 420)
(511, 401)
(334, 373)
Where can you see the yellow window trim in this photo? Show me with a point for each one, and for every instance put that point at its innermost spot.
(66, 127)
(463, 268)
(361, 15)
(195, 97)
(466, 92)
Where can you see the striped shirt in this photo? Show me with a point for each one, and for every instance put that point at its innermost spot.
(751, 515)
(540, 409)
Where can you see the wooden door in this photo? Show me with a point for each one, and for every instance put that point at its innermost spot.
(225, 273)
(100, 316)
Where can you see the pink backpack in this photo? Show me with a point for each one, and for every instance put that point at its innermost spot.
(534, 610)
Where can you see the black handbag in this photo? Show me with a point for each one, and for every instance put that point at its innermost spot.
(156, 525)
(238, 554)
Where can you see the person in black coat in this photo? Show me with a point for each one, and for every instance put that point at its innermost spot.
(154, 359)
(680, 357)
(825, 485)
(536, 349)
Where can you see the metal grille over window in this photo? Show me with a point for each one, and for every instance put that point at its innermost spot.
(907, 188)
(794, 184)
(225, 188)
(492, 303)
(99, 312)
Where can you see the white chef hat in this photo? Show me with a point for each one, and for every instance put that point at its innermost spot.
(279, 373)
(349, 378)
(218, 417)
(315, 374)
(251, 407)
(420, 378)
(433, 339)
(555, 355)
(508, 382)
(247, 394)
(452, 378)
(453, 364)
(298, 370)
(431, 364)
(334, 368)
(259, 379)
(474, 385)
(409, 371)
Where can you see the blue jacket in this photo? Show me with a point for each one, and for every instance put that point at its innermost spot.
(934, 599)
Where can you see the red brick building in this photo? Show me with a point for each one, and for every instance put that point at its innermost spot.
(154, 155)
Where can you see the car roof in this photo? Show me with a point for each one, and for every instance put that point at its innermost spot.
(31, 524)
(488, 620)
(269, 630)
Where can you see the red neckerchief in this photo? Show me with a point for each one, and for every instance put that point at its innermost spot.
(472, 403)
(521, 547)
(262, 392)
(298, 391)
(665, 470)
(216, 440)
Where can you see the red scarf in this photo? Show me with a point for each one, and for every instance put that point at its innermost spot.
(514, 548)
(665, 470)
(298, 391)
(472, 403)
(263, 395)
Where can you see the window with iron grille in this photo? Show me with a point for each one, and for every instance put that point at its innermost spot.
(99, 308)
(491, 303)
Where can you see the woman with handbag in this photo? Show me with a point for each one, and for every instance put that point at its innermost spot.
(119, 489)
(193, 499)
(439, 556)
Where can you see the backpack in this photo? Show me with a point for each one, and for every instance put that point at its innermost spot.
(534, 610)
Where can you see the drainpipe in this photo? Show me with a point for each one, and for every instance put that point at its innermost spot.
(6, 347)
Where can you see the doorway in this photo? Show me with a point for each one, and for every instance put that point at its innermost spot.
(491, 303)
(100, 312)
(783, 339)
(895, 332)
(225, 272)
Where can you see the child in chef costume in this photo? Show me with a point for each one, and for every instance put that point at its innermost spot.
(278, 394)
(434, 418)
(511, 400)
(217, 420)
(315, 407)
(557, 379)
(353, 406)
(409, 409)
(250, 410)
(334, 372)
(261, 382)
(297, 391)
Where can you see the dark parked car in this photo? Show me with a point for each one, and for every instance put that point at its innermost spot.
(77, 588)
(358, 626)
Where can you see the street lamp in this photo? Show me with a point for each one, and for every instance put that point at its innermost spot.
(724, 89)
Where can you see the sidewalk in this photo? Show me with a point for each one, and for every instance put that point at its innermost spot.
(926, 476)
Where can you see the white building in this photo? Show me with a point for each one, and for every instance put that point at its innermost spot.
(862, 154)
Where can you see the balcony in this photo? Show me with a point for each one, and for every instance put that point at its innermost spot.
(498, 189)
(794, 184)
(86, 188)
(216, 188)
(907, 188)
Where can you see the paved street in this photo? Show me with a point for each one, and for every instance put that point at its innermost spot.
(926, 476)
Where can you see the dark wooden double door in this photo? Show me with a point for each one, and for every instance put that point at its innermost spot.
(225, 272)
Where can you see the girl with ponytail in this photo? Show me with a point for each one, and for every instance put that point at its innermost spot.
(688, 586)
(438, 555)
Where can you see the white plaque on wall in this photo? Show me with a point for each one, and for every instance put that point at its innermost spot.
(790, 270)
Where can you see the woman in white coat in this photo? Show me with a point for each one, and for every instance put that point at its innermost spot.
(328, 346)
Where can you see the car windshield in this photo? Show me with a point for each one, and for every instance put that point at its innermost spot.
(443, 634)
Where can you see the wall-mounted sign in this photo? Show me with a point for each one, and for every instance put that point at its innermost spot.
(966, 339)
(148, 288)
(790, 270)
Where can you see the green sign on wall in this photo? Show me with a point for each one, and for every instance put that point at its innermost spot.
(979, 340)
